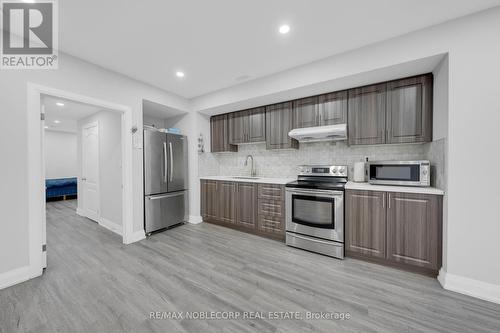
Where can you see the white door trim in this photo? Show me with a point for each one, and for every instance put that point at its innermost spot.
(36, 177)
(83, 207)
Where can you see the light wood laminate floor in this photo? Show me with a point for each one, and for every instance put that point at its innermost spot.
(93, 283)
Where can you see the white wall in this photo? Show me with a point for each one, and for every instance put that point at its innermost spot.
(472, 223)
(60, 155)
(440, 100)
(110, 163)
(77, 77)
(192, 124)
(154, 121)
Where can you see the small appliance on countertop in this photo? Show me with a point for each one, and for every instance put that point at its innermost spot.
(359, 175)
(315, 209)
(402, 173)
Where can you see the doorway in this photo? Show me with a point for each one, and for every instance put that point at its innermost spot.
(36, 171)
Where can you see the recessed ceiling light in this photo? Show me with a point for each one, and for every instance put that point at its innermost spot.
(46, 127)
(284, 29)
(59, 104)
(179, 74)
(57, 121)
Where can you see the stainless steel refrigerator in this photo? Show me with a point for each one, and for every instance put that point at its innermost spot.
(165, 180)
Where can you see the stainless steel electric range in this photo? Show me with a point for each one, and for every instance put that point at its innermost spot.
(315, 209)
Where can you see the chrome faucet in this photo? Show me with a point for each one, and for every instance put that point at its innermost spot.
(252, 172)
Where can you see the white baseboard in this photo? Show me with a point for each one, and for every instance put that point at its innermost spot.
(110, 225)
(79, 212)
(15, 276)
(471, 287)
(135, 237)
(195, 219)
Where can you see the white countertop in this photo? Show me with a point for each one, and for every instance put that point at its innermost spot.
(262, 180)
(390, 188)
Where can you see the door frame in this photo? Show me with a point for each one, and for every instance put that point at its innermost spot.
(36, 206)
(80, 209)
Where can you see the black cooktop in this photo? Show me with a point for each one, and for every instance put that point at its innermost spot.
(337, 184)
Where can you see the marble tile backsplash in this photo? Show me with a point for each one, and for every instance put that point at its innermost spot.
(436, 155)
(284, 163)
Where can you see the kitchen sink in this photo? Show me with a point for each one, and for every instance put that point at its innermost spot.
(245, 177)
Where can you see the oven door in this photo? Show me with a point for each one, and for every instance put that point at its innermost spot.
(317, 213)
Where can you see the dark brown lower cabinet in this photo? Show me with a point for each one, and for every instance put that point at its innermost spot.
(249, 207)
(397, 229)
(227, 202)
(414, 229)
(246, 209)
(365, 223)
(209, 199)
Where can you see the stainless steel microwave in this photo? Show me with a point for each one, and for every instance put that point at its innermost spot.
(404, 173)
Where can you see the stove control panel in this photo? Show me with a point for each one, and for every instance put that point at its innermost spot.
(323, 170)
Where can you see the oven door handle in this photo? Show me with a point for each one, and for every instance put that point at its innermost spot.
(318, 193)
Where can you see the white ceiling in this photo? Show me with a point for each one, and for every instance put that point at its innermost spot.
(220, 43)
(67, 115)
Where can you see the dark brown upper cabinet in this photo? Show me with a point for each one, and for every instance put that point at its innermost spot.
(257, 125)
(219, 132)
(366, 117)
(409, 110)
(333, 108)
(329, 109)
(247, 126)
(279, 121)
(305, 112)
(398, 111)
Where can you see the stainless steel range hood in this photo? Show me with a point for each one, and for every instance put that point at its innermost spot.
(320, 133)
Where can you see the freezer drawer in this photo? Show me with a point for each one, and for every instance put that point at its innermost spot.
(165, 210)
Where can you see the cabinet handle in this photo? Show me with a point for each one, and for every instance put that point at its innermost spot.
(389, 200)
(383, 201)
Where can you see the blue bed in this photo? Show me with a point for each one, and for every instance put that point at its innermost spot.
(62, 187)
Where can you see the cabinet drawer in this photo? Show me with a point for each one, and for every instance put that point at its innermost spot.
(271, 192)
(271, 224)
(271, 207)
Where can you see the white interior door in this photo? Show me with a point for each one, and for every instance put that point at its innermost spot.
(90, 171)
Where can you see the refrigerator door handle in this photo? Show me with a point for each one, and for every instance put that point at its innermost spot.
(170, 195)
(164, 162)
(171, 162)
